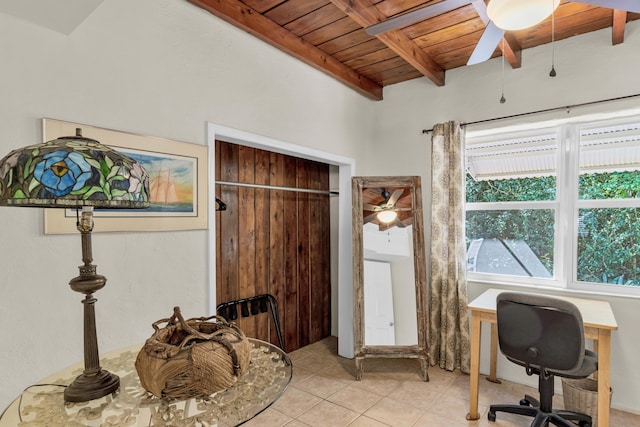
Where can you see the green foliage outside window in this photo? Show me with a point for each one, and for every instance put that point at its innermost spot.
(533, 226)
(608, 238)
(511, 190)
(609, 246)
(616, 185)
(536, 227)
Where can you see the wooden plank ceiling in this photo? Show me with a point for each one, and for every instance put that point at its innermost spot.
(330, 35)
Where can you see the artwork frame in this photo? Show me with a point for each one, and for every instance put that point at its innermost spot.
(178, 175)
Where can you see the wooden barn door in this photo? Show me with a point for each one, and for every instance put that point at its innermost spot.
(273, 238)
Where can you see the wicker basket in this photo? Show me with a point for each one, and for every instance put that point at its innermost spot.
(581, 395)
(192, 358)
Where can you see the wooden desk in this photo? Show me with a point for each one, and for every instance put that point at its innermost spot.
(598, 322)
(267, 378)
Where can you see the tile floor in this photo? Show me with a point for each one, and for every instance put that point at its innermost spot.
(323, 392)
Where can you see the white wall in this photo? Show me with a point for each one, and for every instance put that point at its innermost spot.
(589, 69)
(155, 67)
(164, 68)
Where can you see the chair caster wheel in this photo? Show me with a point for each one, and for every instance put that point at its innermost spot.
(525, 402)
(584, 424)
(491, 416)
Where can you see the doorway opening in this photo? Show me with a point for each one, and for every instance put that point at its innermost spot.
(344, 167)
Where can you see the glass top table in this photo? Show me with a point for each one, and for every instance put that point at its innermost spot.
(43, 405)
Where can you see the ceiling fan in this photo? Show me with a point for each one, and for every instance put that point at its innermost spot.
(386, 211)
(493, 33)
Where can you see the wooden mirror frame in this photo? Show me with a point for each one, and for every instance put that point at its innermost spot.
(362, 351)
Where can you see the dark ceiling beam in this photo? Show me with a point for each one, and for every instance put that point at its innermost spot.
(619, 23)
(509, 45)
(511, 50)
(365, 14)
(251, 21)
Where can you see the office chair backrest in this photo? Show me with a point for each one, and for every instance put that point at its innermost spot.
(540, 331)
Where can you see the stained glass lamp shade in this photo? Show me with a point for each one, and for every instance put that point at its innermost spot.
(77, 172)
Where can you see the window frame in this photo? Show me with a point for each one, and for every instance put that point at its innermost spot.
(566, 208)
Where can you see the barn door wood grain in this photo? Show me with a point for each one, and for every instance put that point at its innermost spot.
(274, 240)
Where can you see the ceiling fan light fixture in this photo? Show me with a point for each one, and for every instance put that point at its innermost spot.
(518, 14)
(387, 216)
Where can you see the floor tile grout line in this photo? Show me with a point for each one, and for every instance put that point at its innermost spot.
(328, 355)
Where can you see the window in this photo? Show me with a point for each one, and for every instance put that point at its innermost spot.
(556, 206)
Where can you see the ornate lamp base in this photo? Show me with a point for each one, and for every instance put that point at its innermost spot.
(94, 382)
(88, 387)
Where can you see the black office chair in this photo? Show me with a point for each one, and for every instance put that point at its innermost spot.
(546, 336)
(250, 307)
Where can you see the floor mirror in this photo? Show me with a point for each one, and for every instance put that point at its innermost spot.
(389, 271)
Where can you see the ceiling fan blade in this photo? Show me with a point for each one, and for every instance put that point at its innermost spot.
(487, 44)
(399, 223)
(369, 218)
(394, 197)
(415, 16)
(372, 208)
(628, 5)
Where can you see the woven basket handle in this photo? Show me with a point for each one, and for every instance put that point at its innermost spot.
(218, 328)
(226, 328)
(172, 320)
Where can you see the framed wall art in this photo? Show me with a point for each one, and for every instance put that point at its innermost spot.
(177, 183)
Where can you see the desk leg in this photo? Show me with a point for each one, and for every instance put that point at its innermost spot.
(474, 374)
(493, 376)
(604, 376)
(596, 349)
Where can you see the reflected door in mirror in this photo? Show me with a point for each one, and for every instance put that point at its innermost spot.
(379, 320)
(389, 285)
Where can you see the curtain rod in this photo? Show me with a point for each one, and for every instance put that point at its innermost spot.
(568, 108)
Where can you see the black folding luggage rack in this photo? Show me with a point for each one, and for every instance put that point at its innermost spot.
(250, 307)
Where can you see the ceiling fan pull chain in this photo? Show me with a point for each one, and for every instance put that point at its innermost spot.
(502, 98)
(552, 73)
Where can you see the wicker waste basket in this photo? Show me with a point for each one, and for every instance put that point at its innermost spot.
(581, 395)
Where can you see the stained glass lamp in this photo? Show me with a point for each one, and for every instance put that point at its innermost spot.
(81, 173)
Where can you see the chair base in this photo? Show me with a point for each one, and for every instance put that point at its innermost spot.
(530, 407)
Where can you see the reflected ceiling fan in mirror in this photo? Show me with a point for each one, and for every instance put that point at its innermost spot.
(386, 212)
(499, 16)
